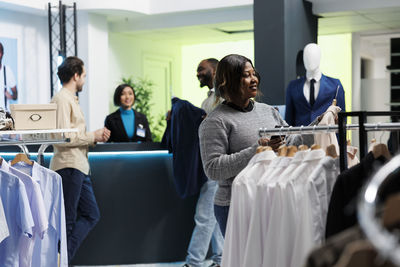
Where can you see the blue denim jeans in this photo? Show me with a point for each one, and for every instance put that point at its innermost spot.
(78, 197)
(206, 229)
(221, 214)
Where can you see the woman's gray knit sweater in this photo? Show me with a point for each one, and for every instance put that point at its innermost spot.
(228, 140)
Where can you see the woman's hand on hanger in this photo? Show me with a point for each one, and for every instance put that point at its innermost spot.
(275, 143)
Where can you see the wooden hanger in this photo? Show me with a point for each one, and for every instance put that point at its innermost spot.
(291, 151)
(263, 148)
(315, 147)
(259, 149)
(21, 157)
(282, 151)
(266, 148)
(303, 147)
(381, 150)
(358, 253)
(331, 151)
(334, 102)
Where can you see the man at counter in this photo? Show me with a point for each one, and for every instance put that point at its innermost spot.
(70, 160)
(206, 228)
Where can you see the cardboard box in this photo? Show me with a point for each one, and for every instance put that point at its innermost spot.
(34, 117)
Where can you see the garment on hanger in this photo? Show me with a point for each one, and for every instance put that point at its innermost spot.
(254, 244)
(352, 158)
(18, 215)
(324, 177)
(45, 251)
(254, 248)
(4, 232)
(329, 253)
(342, 206)
(182, 141)
(326, 139)
(241, 208)
(38, 210)
(307, 205)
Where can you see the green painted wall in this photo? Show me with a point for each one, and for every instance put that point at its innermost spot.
(126, 57)
(127, 52)
(336, 61)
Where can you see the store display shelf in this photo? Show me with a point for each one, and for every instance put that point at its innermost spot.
(51, 131)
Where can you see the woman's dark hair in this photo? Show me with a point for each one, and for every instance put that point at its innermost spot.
(118, 93)
(68, 68)
(229, 74)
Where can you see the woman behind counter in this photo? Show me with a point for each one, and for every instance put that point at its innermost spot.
(127, 124)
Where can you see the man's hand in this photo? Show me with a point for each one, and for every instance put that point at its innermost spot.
(168, 115)
(102, 135)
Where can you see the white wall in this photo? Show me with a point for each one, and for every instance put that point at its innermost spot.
(93, 49)
(31, 32)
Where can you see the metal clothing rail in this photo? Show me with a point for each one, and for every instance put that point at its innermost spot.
(329, 128)
(342, 128)
(362, 121)
(35, 137)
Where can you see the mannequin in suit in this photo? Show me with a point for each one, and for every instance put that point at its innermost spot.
(127, 124)
(310, 96)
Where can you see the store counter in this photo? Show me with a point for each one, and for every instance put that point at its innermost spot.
(143, 220)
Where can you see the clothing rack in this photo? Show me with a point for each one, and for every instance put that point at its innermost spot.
(328, 128)
(43, 138)
(342, 128)
(362, 121)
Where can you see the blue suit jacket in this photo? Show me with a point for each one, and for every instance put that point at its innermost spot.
(182, 139)
(298, 110)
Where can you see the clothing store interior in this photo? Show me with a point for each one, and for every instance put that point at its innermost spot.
(169, 133)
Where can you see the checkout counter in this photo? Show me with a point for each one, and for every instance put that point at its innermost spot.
(143, 220)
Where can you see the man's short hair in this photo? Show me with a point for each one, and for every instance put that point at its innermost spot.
(1, 48)
(68, 68)
(213, 62)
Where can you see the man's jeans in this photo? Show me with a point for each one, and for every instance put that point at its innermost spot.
(206, 229)
(78, 196)
(221, 214)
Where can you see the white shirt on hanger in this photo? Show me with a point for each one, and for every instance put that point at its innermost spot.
(19, 217)
(3, 223)
(38, 210)
(289, 212)
(258, 222)
(324, 178)
(45, 251)
(307, 205)
(241, 208)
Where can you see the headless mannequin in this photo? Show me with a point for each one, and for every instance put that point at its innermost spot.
(312, 59)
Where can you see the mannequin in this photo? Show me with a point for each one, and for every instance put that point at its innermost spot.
(312, 58)
(300, 109)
